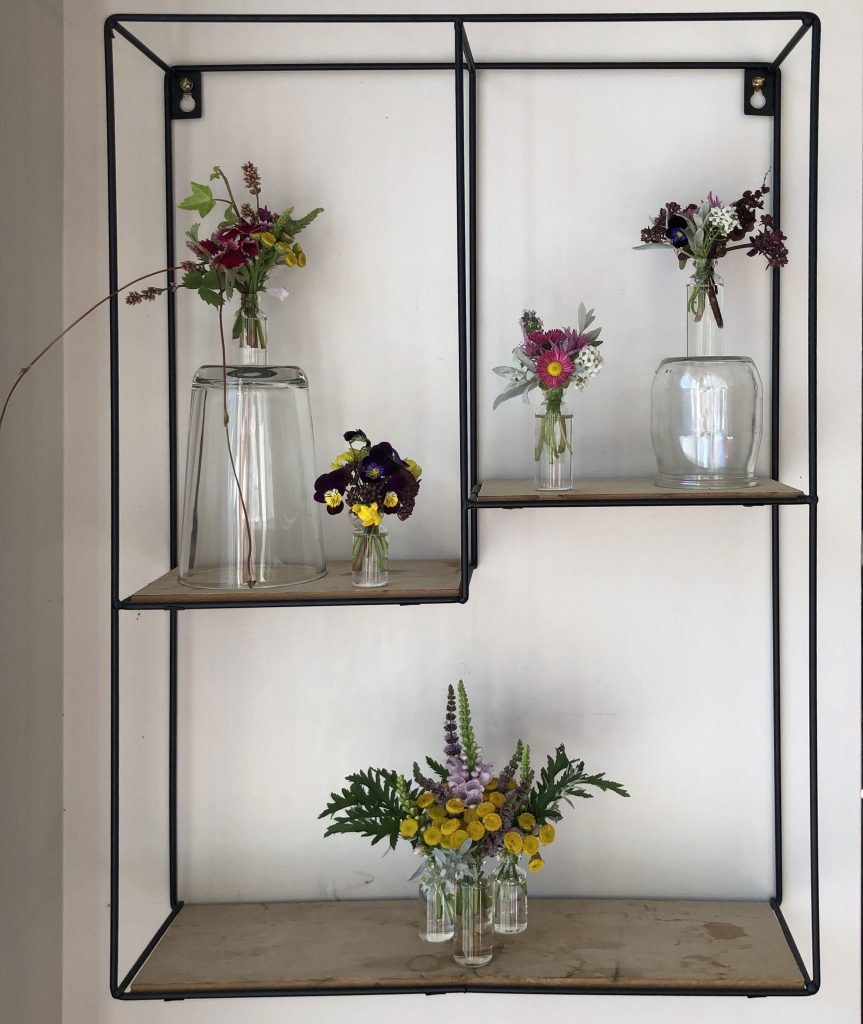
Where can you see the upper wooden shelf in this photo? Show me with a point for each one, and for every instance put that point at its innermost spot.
(632, 490)
(411, 582)
(571, 945)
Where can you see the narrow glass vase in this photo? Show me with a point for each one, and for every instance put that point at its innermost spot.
(552, 451)
(474, 926)
(510, 896)
(370, 557)
(437, 907)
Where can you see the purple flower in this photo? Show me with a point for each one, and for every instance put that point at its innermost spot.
(713, 200)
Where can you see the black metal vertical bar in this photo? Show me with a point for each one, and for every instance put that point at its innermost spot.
(462, 303)
(113, 283)
(474, 302)
(813, 493)
(775, 382)
(172, 757)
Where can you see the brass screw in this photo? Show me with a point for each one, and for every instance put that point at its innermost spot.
(186, 85)
(758, 81)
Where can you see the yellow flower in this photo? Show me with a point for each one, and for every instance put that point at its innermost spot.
(492, 822)
(432, 835)
(513, 842)
(527, 821)
(530, 845)
(546, 835)
(333, 498)
(391, 499)
(497, 800)
(268, 238)
(470, 815)
(414, 468)
(342, 460)
(408, 828)
(484, 808)
(454, 806)
(425, 800)
(457, 838)
(449, 826)
(536, 864)
(436, 811)
(368, 515)
(512, 784)
(491, 785)
(291, 259)
(476, 830)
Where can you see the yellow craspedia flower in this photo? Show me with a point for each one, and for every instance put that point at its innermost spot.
(449, 826)
(526, 821)
(458, 837)
(476, 830)
(408, 828)
(342, 460)
(492, 822)
(391, 499)
(436, 811)
(454, 806)
(536, 864)
(513, 842)
(414, 468)
(484, 808)
(546, 835)
(446, 843)
(512, 784)
(268, 238)
(432, 835)
(470, 815)
(368, 515)
(491, 785)
(497, 800)
(530, 844)
(425, 800)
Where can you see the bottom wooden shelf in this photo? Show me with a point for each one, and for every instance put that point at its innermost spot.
(570, 945)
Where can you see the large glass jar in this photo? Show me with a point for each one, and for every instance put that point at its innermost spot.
(249, 518)
(706, 408)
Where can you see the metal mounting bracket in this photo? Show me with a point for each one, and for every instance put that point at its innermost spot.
(759, 90)
(185, 93)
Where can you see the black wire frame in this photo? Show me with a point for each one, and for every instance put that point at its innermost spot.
(466, 229)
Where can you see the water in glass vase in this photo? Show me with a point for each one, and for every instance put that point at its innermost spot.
(248, 520)
(474, 927)
(370, 557)
(510, 897)
(552, 451)
(437, 907)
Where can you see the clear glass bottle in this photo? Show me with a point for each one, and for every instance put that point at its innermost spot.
(552, 451)
(437, 906)
(510, 896)
(706, 408)
(370, 557)
(474, 926)
(249, 517)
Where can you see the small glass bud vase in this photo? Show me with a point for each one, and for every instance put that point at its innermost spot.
(437, 907)
(552, 450)
(370, 557)
(510, 897)
(474, 924)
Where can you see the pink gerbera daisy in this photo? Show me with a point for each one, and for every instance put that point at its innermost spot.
(554, 368)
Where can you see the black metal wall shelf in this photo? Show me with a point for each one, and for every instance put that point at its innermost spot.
(183, 973)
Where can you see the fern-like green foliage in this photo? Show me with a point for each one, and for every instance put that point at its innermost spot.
(437, 768)
(562, 779)
(287, 225)
(465, 728)
(369, 806)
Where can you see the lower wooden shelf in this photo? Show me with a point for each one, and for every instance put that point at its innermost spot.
(415, 581)
(570, 945)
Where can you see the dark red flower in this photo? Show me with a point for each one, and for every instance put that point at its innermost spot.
(229, 247)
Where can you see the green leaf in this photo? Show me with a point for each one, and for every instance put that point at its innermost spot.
(437, 768)
(512, 391)
(193, 232)
(210, 297)
(368, 806)
(562, 779)
(229, 218)
(200, 200)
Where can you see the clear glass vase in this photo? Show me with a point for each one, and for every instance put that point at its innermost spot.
(510, 896)
(249, 517)
(474, 924)
(706, 408)
(437, 906)
(370, 557)
(552, 451)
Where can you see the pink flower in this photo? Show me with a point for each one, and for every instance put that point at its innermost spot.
(554, 368)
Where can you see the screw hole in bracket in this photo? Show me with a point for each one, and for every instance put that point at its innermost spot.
(184, 88)
(759, 91)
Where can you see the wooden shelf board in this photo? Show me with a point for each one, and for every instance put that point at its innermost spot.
(623, 489)
(414, 580)
(570, 944)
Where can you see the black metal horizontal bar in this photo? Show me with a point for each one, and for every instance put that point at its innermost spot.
(185, 606)
(512, 65)
(683, 501)
(329, 66)
(411, 19)
(119, 992)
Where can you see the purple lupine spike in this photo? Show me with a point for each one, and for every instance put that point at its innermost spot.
(452, 744)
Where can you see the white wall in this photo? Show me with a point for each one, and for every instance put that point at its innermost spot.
(371, 319)
(31, 510)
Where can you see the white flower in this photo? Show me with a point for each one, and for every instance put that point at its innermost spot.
(724, 218)
(278, 293)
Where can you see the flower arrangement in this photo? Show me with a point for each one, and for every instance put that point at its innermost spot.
(552, 360)
(372, 481)
(465, 813)
(704, 232)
